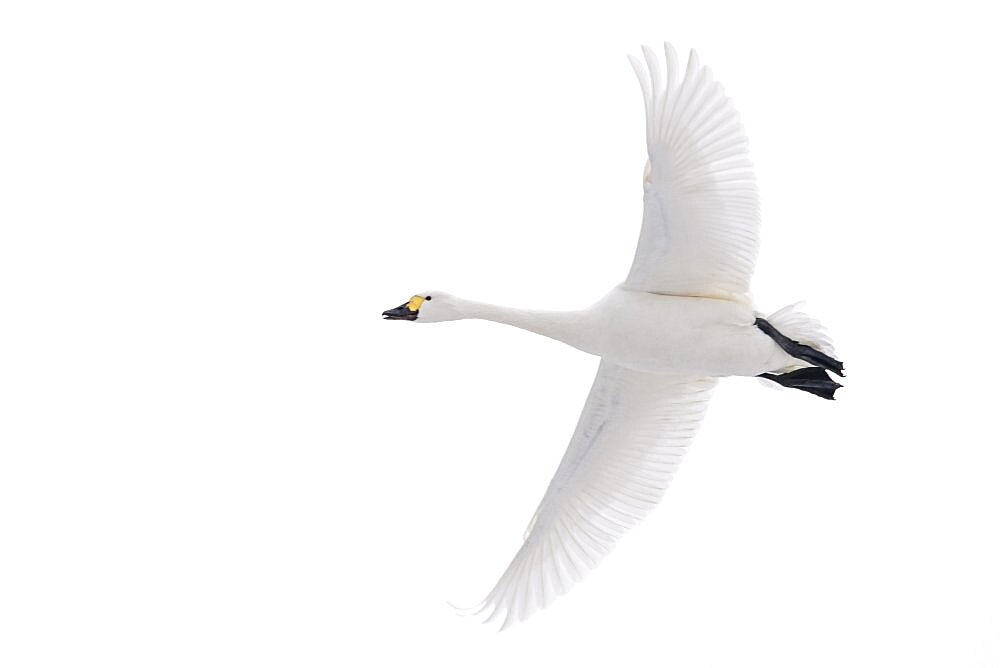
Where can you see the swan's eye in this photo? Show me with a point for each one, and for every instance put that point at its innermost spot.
(428, 297)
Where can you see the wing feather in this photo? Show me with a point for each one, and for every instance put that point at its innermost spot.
(701, 219)
(633, 431)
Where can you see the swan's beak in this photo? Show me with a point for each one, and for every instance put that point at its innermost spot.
(407, 311)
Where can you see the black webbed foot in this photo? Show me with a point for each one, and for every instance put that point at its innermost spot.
(811, 379)
(800, 350)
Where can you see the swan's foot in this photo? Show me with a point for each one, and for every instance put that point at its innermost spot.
(811, 379)
(800, 350)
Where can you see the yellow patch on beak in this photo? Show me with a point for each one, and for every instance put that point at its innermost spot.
(414, 303)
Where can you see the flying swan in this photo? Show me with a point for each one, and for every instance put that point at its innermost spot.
(682, 319)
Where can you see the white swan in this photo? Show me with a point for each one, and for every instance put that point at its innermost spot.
(682, 319)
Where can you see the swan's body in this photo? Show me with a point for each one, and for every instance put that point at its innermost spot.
(682, 319)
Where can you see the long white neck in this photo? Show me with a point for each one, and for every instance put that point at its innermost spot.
(566, 326)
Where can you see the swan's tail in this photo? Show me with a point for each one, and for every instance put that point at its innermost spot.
(805, 339)
(795, 324)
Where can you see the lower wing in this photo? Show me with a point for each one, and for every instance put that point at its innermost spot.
(633, 432)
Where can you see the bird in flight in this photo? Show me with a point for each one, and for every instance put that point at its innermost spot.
(682, 319)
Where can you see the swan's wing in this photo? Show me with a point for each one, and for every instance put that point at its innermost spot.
(634, 429)
(700, 223)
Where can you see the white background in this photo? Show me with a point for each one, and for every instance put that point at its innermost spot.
(213, 452)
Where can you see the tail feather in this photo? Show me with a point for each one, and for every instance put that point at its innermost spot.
(800, 327)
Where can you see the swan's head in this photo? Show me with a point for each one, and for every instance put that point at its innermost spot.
(430, 306)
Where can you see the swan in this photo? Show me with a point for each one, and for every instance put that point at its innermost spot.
(682, 319)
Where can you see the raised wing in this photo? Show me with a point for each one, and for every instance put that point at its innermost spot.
(634, 429)
(701, 219)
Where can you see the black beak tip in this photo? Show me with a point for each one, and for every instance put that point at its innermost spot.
(401, 312)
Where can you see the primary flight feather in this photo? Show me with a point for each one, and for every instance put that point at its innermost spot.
(682, 319)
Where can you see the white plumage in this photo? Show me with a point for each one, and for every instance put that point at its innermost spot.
(630, 439)
(682, 318)
(701, 219)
